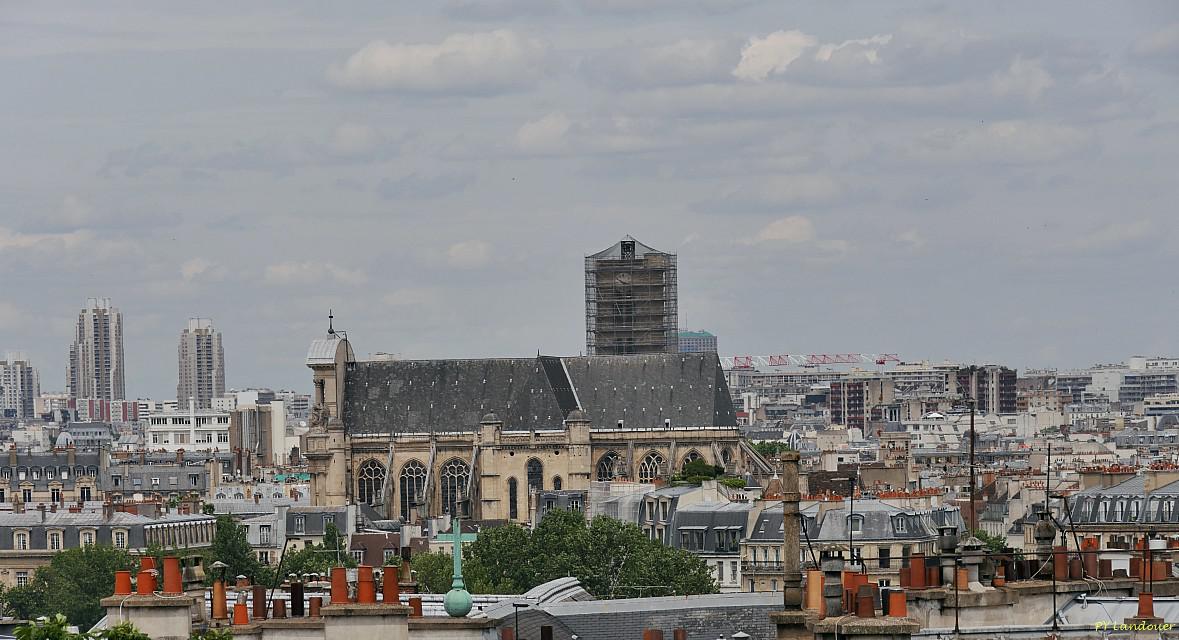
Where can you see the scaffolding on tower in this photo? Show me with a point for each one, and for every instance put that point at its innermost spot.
(631, 301)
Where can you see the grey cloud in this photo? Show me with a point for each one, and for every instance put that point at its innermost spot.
(416, 185)
(487, 62)
(495, 10)
(1160, 48)
(348, 143)
(627, 7)
(682, 62)
(977, 140)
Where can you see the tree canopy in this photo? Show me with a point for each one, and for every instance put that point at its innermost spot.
(318, 558)
(231, 546)
(72, 584)
(995, 544)
(611, 558)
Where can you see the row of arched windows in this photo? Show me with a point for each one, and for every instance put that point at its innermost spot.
(453, 477)
(649, 467)
(455, 474)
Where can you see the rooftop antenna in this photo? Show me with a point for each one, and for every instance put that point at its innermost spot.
(331, 330)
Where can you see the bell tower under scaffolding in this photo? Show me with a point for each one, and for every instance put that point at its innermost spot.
(631, 302)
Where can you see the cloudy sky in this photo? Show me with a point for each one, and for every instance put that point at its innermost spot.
(978, 181)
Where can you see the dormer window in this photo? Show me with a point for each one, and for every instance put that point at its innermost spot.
(856, 523)
(900, 525)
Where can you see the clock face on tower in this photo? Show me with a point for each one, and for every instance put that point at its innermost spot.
(622, 278)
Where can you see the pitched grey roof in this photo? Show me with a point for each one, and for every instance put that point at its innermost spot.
(768, 527)
(615, 250)
(536, 393)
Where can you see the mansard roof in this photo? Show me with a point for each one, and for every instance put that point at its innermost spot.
(1123, 504)
(527, 394)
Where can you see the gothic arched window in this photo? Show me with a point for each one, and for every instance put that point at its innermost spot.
(649, 467)
(692, 456)
(535, 475)
(557, 484)
(513, 511)
(454, 476)
(369, 480)
(413, 480)
(606, 468)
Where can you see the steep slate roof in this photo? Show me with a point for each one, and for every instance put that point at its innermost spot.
(768, 527)
(536, 393)
(878, 522)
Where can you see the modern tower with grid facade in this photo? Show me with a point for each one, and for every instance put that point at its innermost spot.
(631, 303)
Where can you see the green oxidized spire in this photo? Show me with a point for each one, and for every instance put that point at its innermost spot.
(457, 602)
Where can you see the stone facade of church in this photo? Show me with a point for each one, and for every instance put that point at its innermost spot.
(489, 433)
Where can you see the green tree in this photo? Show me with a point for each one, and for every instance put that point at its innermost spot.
(25, 603)
(558, 545)
(698, 470)
(53, 628)
(123, 631)
(770, 449)
(433, 571)
(995, 544)
(231, 546)
(609, 557)
(616, 555)
(498, 561)
(72, 584)
(318, 558)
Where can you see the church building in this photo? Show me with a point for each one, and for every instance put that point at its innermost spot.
(422, 438)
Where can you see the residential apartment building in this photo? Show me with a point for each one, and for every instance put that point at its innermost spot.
(195, 430)
(991, 387)
(99, 410)
(259, 432)
(921, 388)
(29, 539)
(52, 478)
(20, 386)
(200, 363)
(697, 342)
(96, 356)
(861, 399)
(295, 527)
(883, 535)
(55, 405)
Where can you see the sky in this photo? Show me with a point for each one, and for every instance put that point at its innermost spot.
(984, 181)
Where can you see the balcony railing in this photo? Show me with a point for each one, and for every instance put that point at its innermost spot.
(760, 566)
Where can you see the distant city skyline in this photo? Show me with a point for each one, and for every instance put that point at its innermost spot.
(937, 180)
(296, 382)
